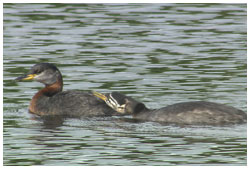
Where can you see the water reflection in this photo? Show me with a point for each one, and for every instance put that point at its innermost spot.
(159, 54)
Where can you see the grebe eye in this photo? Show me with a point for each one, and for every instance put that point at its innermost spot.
(38, 71)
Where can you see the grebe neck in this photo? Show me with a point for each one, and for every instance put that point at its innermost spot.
(53, 89)
(44, 94)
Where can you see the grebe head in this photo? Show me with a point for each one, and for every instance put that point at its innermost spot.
(121, 103)
(45, 73)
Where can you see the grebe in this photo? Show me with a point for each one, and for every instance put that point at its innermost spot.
(51, 100)
(190, 113)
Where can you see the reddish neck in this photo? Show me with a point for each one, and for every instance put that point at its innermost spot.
(51, 90)
(48, 91)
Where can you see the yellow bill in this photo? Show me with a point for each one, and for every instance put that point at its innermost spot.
(26, 77)
(99, 95)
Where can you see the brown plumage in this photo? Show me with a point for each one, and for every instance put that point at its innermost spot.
(51, 100)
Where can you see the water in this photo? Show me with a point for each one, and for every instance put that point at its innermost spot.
(159, 54)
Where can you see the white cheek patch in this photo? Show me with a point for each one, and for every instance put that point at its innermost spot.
(115, 105)
(121, 108)
(38, 76)
(46, 77)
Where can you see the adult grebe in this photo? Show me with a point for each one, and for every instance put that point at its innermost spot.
(51, 100)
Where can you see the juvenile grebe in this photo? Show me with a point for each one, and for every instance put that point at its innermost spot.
(193, 113)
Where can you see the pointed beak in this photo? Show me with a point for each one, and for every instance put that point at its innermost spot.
(26, 77)
(99, 95)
